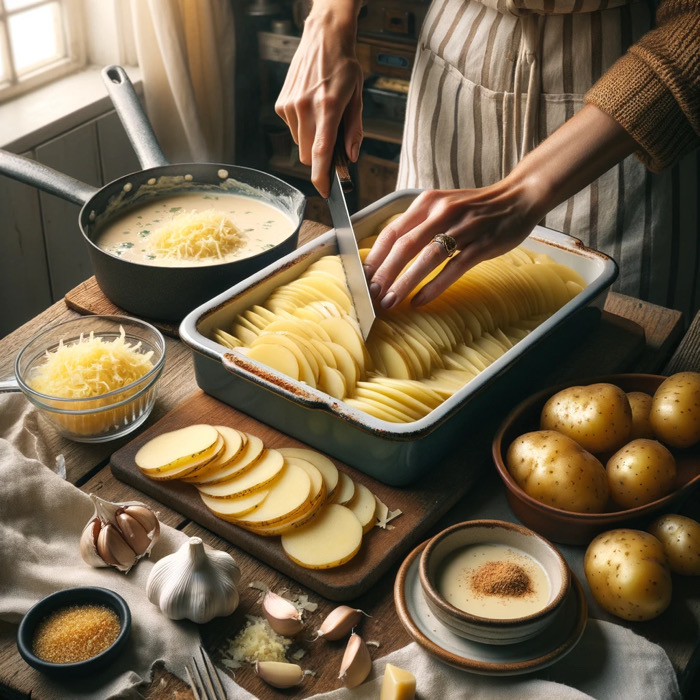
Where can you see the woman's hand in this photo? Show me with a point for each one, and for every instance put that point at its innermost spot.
(483, 222)
(491, 220)
(323, 86)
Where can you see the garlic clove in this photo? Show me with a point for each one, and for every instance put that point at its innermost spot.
(339, 622)
(356, 663)
(113, 549)
(88, 544)
(282, 615)
(146, 517)
(133, 525)
(279, 674)
(133, 533)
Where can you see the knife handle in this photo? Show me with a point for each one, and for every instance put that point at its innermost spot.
(340, 161)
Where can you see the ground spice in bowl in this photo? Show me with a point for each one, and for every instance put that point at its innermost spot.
(76, 633)
(501, 578)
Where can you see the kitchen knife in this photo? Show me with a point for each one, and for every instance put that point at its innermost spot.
(347, 243)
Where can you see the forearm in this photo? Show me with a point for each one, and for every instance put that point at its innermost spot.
(576, 154)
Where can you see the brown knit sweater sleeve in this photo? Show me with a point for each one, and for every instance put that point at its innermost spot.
(653, 91)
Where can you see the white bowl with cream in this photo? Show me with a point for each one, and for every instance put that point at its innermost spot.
(492, 581)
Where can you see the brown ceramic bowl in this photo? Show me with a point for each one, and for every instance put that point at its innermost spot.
(580, 528)
(499, 616)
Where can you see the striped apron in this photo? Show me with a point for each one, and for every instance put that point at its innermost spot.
(493, 78)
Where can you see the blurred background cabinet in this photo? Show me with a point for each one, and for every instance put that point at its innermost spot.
(386, 44)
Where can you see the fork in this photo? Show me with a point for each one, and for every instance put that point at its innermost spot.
(204, 679)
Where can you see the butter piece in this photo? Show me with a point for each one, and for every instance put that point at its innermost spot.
(397, 684)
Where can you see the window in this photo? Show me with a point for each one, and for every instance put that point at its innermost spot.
(39, 40)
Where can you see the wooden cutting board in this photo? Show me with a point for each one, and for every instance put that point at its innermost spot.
(422, 504)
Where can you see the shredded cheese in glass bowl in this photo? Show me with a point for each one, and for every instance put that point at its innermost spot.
(94, 377)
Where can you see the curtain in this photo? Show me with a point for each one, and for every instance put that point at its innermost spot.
(186, 50)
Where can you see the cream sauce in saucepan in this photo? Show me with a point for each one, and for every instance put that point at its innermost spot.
(261, 226)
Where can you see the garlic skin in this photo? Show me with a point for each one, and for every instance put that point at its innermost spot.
(118, 534)
(356, 663)
(282, 615)
(194, 583)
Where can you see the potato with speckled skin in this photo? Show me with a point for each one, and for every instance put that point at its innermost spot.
(555, 470)
(598, 416)
(675, 410)
(640, 403)
(680, 537)
(641, 472)
(628, 574)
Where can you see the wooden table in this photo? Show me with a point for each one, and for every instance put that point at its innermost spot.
(88, 468)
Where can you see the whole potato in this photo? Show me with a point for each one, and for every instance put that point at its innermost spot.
(640, 403)
(597, 416)
(675, 410)
(640, 472)
(680, 537)
(555, 470)
(628, 574)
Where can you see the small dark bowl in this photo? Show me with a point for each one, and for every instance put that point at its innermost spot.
(64, 598)
(566, 527)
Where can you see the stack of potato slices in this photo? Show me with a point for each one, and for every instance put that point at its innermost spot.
(320, 513)
(414, 358)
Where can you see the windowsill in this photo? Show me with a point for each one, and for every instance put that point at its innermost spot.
(45, 113)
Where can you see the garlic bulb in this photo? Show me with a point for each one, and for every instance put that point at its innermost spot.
(118, 534)
(194, 583)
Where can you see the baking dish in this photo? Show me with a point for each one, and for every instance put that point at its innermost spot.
(395, 454)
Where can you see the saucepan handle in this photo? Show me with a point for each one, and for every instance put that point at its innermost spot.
(45, 178)
(133, 118)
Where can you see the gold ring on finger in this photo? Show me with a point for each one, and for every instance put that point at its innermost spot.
(448, 243)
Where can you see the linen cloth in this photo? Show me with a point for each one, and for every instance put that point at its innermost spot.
(42, 516)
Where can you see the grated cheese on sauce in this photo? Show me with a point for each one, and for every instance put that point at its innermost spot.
(91, 367)
(195, 235)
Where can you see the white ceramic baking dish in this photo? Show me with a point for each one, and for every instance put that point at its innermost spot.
(395, 454)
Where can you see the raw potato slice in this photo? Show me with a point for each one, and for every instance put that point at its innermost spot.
(345, 489)
(328, 470)
(234, 507)
(248, 456)
(332, 538)
(344, 333)
(289, 496)
(281, 359)
(364, 505)
(266, 470)
(178, 448)
(233, 446)
(289, 524)
(318, 485)
(332, 382)
(186, 469)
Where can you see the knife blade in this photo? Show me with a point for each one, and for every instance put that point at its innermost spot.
(347, 242)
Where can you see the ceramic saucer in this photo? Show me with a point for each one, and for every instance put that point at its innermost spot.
(553, 643)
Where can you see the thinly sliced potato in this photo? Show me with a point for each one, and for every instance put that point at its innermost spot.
(234, 507)
(277, 357)
(328, 470)
(248, 456)
(288, 497)
(331, 539)
(178, 448)
(234, 443)
(364, 505)
(344, 491)
(262, 474)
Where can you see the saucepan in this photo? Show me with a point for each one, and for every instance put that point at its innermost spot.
(162, 293)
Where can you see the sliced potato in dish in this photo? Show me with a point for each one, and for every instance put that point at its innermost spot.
(281, 359)
(330, 539)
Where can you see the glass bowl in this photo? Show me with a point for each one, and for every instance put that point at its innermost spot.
(106, 416)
